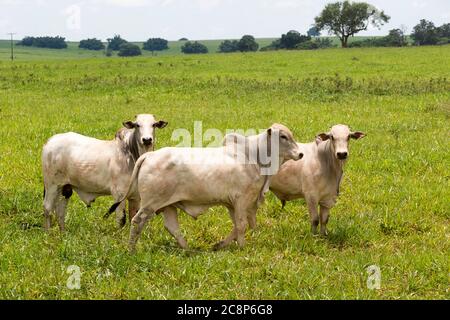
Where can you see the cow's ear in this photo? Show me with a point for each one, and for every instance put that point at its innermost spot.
(129, 124)
(322, 137)
(269, 132)
(357, 135)
(160, 124)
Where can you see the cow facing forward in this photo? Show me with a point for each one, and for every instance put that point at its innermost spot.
(318, 176)
(93, 167)
(195, 179)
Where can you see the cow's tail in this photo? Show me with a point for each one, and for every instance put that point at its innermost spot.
(131, 187)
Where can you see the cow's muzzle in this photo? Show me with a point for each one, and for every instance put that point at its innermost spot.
(342, 155)
(147, 141)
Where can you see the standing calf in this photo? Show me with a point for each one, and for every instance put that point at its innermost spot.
(93, 167)
(195, 179)
(317, 177)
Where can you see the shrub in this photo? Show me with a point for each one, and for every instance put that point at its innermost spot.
(194, 47)
(91, 44)
(156, 44)
(248, 43)
(292, 39)
(115, 42)
(316, 44)
(44, 42)
(229, 46)
(27, 41)
(129, 50)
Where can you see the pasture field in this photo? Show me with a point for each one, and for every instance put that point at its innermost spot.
(393, 211)
(73, 52)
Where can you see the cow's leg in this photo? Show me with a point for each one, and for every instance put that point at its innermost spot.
(171, 224)
(121, 216)
(252, 219)
(61, 206)
(137, 224)
(324, 215)
(232, 236)
(241, 225)
(50, 200)
(313, 213)
(133, 207)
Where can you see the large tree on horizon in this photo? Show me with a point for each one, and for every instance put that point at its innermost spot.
(345, 19)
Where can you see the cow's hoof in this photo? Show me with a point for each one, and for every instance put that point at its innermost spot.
(218, 246)
(183, 245)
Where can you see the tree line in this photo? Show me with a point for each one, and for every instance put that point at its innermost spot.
(341, 19)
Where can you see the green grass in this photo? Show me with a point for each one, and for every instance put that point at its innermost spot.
(393, 210)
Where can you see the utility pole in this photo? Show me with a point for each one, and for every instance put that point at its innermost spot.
(12, 45)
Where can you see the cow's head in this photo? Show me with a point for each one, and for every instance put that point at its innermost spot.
(144, 130)
(288, 148)
(339, 136)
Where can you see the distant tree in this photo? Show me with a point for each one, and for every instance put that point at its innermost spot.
(91, 44)
(44, 42)
(444, 33)
(129, 50)
(248, 43)
(229, 46)
(345, 19)
(156, 44)
(395, 38)
(184, 39)
(444, 30)
(27, 41)
(425, 33)
(115, 42)
(316, 43)
(194, 47)
(291, 39)
(313, 32)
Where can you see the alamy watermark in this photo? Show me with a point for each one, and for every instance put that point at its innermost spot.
(374, 277)
(74, 280)
(73, 17)
(249, 146)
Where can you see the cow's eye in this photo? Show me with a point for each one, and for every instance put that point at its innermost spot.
(136, 125)
(284, 137)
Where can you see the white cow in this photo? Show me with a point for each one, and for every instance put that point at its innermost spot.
(195, 179)
(94, 167)
(317, 177)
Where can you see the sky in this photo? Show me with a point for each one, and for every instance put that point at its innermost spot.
(137, 20)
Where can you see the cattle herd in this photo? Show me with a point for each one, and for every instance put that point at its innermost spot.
(235, 175)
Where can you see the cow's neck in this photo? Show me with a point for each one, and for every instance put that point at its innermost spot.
(133, 146)
(265, 140)
(332, 166)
